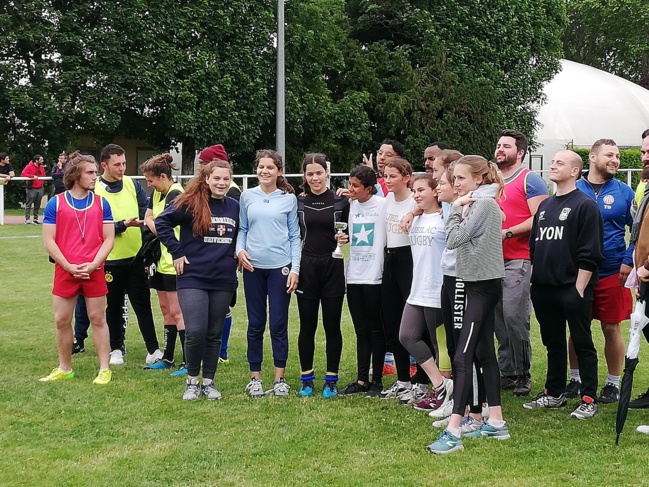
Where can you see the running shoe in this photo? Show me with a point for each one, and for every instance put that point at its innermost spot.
(160, 365)
(469, 425)
(444, 412)
(255, 387)
(442, 423)
(445, 444)
(306, 390)
(182, 371)
(523, 386)
(416, 394)
(57, 374)
(641, 402)
(586, 408)
(488, 431)
(374, 389)
(643, 428)
(36, 222)
(151, 358)
(508, 382)
(78, 347)
(103, 377)
(573, 389)
(224, 361)
(210, 392)
(435, 399)
(192, 390)
(609, 395)
(546, 401)
(396, 391)
(354, 388)
(330, 389)
(281, 388)
(116, 357)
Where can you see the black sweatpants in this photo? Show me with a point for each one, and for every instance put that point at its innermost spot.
(132, 280)
(363, 300)
(395, 289)
(554, 305)
(476, 328)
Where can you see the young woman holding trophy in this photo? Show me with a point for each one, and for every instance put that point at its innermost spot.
(321, 215)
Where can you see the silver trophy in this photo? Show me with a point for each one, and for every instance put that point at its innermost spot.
(341, 227)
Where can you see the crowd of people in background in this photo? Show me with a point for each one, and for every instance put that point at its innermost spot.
(442, 273)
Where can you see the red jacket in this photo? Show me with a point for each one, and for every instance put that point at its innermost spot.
(32, 170)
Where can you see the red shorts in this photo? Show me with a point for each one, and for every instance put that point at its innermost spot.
(67, 286)
(612, 303)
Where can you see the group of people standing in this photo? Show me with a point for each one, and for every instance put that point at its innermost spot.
(439, 265)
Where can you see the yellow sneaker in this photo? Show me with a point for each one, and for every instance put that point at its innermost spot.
(57, 374)
(103, 377)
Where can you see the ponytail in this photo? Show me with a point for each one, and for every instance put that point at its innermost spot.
(489, 171)
(282, 184)
(494, 176)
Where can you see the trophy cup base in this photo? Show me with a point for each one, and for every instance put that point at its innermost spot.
(337, 255)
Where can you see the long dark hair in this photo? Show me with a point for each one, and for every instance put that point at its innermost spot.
(159, 165)
(197, 196)
(282, 183)
(311, 158)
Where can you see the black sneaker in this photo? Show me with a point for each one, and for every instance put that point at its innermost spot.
(573, 389)
(641, 402)
(36, 222)
(523, 386)
(609, 395)
(78, 347)
(354, 388)
(508, 382)
(374, 389)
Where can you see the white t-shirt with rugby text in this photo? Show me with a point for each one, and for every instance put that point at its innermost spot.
(367, 237)
(394, 212)
(427, 238)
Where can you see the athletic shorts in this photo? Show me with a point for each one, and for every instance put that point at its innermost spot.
(321, 276)
(68, 286)
(163, 282)
(612, 303)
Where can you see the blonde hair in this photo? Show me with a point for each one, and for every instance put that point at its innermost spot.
(479, 166)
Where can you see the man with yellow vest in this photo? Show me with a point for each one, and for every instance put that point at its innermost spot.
(125, 271)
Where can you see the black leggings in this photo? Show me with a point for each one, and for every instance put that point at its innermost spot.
(363, 300)
(331, 312)
(395, 288)
(476, 341)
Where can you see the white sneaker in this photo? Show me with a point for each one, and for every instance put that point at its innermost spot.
(442, 423)
(396, 391)
(445, 411)
(643, 428)
(192, 390)
(152, 358)
(416, 393)
(280, 388)
(255, 387)
(116, 357)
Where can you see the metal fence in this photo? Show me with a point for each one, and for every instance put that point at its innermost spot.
(244, 179)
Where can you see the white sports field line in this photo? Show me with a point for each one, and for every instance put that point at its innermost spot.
(21, 236)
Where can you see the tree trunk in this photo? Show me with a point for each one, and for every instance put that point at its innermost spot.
(188, 154)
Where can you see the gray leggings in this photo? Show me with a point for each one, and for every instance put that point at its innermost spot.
(204, 313)
(416, 321)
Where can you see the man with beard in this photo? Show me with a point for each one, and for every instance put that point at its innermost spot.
(431, 152)
(612, 302)
(640, 238)
(524, 191)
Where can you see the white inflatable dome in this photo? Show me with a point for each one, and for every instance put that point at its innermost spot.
(585, 104)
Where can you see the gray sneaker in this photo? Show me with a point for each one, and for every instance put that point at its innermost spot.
(544, 400)
(255, 388)
(396, 391)
(211, 393)
(414, 395)
(280, 388)
(584, 410)
(192, 390)
(469, 425)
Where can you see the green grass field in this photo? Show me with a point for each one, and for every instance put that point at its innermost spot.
(138, 432)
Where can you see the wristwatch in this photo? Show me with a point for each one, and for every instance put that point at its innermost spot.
(509, 234)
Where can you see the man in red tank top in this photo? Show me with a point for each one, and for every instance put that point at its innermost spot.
(78, 233)
(524, 191)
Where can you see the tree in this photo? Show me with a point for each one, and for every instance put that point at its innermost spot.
(611, 35)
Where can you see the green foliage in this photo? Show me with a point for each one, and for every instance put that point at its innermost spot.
(610, 35)
(629, 159)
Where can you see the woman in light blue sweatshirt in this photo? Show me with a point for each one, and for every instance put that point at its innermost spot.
(268, 249)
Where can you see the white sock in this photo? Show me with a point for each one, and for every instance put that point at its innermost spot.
(407, 384)
(496, 423)
(454, 431)
(66, 371)
(613, 380)
(207, 382)
(574, 375)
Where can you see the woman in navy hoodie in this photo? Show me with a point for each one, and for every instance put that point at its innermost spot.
(206, 268)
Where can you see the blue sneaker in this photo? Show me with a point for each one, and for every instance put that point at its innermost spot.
(330, 389)
(306, 390)
(181, 372)
(445, 444)
(159, 365)
(488, 431)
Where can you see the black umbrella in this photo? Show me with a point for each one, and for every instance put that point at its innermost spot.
(638, 321)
